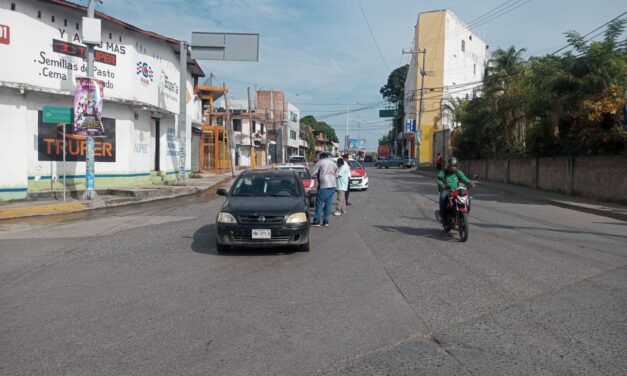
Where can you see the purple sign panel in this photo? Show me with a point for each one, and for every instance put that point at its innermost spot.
(88, 107)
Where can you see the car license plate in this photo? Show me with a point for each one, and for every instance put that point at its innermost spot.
(262, 234)
(354, 181)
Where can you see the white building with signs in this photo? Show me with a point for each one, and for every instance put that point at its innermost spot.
(292, 130)
(42, 55)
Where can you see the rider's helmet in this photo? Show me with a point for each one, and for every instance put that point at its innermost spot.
(452, 161)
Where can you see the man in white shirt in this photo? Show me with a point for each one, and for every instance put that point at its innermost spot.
(325, 171)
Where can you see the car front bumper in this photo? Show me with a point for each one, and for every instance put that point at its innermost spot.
(358, 182)
(281, 235)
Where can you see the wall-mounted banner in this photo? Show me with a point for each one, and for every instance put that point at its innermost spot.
(50, 142)
(88, 107)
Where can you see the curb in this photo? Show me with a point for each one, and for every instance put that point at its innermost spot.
(558, 203)
(76, 206)
(48, 209)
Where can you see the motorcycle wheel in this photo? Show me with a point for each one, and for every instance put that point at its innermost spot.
(463, 227)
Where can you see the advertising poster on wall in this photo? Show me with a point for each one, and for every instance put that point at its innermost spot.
(50, 142)
(88, 96)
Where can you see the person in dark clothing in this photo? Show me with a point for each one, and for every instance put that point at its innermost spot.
(348, 190)
(438, 162)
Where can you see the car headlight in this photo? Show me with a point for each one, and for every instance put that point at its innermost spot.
(297, 218)
(224, 217)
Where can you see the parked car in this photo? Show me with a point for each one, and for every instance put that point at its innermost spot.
(310, 184)
(265, 208)
(368, 158)
(359, 177)
(298, 160)
(388, 162)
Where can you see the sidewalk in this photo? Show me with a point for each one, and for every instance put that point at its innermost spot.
(582, 204)
(48, 203)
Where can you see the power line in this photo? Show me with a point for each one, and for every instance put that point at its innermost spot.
(605, 24)
(372, 34)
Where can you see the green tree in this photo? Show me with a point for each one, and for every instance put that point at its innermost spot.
(394, 92)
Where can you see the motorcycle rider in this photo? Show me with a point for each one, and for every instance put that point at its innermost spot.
(448, 180)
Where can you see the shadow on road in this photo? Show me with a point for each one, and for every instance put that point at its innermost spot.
(433, 233)
(205, 242)
(560, 230)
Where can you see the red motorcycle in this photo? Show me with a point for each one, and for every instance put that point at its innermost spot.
(457, 209)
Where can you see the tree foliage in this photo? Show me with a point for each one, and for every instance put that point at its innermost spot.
(569, 104)
(394, 92)
(309, 125)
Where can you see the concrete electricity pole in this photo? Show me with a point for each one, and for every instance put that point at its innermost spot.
(182, 131)
(250, 126)
(423, 73)
(90, 176)
(229, 128)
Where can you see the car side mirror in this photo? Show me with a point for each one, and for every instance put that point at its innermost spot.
(222, 192)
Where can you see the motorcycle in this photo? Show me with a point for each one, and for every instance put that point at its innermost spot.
(457, 209)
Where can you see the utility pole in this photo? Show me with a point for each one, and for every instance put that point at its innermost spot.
(346, 139)
(182, 110)
(276, 138)
(90, 176)
(229, 128)
(423, 73)
(250, 126)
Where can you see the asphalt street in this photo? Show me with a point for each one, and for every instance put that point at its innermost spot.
(141, 290)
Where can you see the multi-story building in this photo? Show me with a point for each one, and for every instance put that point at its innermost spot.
(455, 61)
(292, 130)
(283, 124)
(247, 133)
(42, 55)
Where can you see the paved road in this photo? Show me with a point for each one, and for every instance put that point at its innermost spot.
(141, 291)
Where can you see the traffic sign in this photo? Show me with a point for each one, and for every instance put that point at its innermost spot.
(387, 113)
(58, 115)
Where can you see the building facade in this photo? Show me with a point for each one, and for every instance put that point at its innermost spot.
(455, 63)
(292, 130)
(42, 57)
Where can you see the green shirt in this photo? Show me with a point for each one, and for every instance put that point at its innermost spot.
(451, 179)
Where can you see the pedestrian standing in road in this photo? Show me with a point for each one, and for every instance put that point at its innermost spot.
(438, 162)
(325, 171)
(348, 190)
(343, 174)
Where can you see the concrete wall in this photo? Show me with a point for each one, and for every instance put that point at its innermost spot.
(600, 177)
(520, 172)
(441, 144)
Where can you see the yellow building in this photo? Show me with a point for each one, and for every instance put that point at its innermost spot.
(454, 64)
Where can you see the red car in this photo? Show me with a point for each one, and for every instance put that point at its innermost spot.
(310, 185)
(359, 177)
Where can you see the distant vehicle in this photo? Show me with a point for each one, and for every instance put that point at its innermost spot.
(395, 162)
(298, 160)
(265, 208)
(368, 158)
(310, 184)
(359, 177)
(384, 151)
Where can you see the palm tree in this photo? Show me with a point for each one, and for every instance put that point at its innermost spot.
(503, 64)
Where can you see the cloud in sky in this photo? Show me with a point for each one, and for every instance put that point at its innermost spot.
(325, 44)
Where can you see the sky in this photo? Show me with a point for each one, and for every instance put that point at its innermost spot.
(322, 55)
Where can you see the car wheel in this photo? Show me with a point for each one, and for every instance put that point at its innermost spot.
(365, 189)
(222, 247)
(378, 166)
(400, 165)
(386, 167)
(304, 247)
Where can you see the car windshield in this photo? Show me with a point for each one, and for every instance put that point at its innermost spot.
(275, 185)
(355, 165)
(303, 173)
(297, 159)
